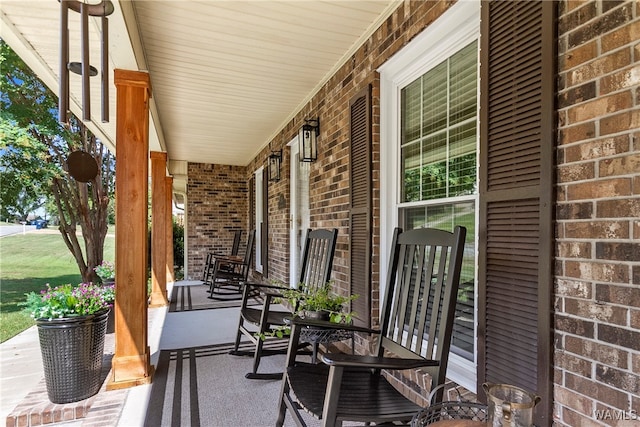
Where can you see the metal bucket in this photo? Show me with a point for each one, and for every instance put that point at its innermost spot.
(509, 405)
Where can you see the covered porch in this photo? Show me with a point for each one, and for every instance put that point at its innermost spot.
(517, 118)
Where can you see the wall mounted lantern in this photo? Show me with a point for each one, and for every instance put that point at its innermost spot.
(102, 9)
(308, 140)
(274, 161)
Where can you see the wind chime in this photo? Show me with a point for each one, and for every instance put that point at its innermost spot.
(82, 166)
(102, 10)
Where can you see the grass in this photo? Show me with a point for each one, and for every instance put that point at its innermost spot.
(27, 263)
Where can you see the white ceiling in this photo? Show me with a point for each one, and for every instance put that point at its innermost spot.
(226, 76)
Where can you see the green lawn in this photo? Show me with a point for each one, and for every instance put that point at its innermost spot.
(27, 263)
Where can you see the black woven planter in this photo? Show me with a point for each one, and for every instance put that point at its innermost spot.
(72, 351)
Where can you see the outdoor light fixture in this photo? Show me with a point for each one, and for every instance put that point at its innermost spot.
(102, 10)
(308, 140)
(275, 159)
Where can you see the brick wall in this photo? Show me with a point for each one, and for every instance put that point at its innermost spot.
(597, 353)
(217, 206)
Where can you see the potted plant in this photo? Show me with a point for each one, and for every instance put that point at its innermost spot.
(106, 271)
(71, 322)
(319, 302)
(315, 302)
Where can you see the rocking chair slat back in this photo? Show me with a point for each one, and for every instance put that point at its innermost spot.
(417, 306)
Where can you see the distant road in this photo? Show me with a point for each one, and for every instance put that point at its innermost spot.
(7, 230)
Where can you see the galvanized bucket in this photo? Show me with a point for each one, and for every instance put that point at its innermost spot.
(509, 406)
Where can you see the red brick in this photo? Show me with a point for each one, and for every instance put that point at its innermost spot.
(574, 250)
(620, 122)
(580, 55)
(620, 80)
(599, 312)
(598, 391)
(598, 271)
(622, 295)
(600, 107)
(599, 67)
(622, 36)
(635, 321)
(597, 149)
(576, 172)
(577, 133)
(600, 352)
(626, 165)
(604, 188)
(573, 400)
(618, 208)
(573, 288)
(597, 230)
(623, 337)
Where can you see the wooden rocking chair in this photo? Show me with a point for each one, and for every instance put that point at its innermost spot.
(230, 272)
(416, 326)
(255, 322)
(209, 264)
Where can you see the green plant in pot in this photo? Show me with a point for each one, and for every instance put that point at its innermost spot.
(317, 303)
(106, 271)
(71, 322)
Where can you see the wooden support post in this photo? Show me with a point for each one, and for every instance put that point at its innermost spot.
(158, 229)
(131, 362)
(169, 191)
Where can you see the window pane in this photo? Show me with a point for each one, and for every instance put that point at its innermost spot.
(462, 160)
(446, 217)
(411, 112)
(434, 92)
(434, 169)
(411, 172)
(463, 89)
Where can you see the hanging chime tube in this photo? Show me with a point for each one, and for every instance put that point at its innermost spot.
(86, 96)
(63, 95)
(105, 69)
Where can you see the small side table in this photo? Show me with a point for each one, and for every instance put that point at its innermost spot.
(316, 336)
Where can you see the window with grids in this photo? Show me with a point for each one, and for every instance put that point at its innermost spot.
(438, 163)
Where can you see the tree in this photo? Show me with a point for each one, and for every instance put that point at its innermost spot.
(22, 190)
(30, 108)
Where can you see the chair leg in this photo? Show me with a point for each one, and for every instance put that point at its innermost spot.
(282, 407)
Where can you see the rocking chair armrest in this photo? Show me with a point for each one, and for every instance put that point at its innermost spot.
(325, 324)
(272, 290)
(374, 362)
(230, 259)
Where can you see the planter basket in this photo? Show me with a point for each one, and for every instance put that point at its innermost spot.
(72, 352)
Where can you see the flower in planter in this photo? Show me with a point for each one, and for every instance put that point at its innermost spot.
(109, 293)
(66, 301)
(106, 270)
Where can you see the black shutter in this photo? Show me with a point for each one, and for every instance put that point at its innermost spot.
(516, 197)
(360, 205)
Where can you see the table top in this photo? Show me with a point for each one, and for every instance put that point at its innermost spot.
(458, 423)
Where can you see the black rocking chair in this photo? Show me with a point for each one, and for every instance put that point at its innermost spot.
(255, 322)
(230, 272)
(416, 326)
(209, 263)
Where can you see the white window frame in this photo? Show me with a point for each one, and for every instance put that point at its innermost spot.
(456, 28)
(259, 216)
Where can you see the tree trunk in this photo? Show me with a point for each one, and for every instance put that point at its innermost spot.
(85, 204)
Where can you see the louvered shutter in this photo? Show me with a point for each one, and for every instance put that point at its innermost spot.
(360, 205)
(516, 197)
